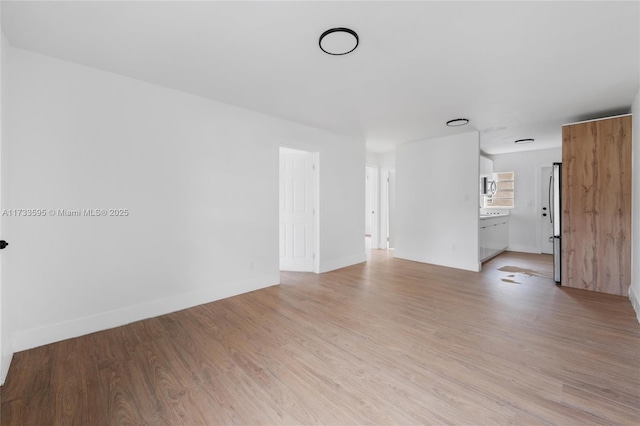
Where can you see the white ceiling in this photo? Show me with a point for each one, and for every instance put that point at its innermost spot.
(515, 69)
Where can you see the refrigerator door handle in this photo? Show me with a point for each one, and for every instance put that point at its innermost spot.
(551, 198)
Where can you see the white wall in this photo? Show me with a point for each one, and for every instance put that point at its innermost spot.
(634, 290)
(373, 158)
(6, 350)
(382, 160)
(388, 160)
(200, 180)
(524, 219)
(437, 201)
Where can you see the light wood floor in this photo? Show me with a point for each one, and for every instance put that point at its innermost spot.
(387, 342)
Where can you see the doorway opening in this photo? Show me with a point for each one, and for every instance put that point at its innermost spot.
(390, 196)
(371, 202)
(379, 208)
(298, 208)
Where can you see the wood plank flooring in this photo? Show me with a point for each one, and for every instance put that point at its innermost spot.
(387, 342)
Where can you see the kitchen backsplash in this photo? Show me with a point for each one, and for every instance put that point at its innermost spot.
(486, 211)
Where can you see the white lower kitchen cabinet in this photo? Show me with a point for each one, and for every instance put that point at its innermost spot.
(482, 246)
(493, 236)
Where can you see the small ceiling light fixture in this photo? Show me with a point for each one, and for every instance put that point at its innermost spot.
(528, 140)
(338, 41)
(457, 122)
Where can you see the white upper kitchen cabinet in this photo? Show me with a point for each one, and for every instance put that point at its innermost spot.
(486, 166)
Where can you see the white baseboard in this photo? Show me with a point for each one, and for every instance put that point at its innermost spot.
(332, 265)
(32, 338)
(524, 249)
(5, 362)
(473, 266)
(635, 302)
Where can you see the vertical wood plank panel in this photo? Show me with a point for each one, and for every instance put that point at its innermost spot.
(577, 206)
(596, 205)
(613, 221)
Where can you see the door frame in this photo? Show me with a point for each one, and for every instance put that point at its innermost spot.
(539, 203)
(316, 202)
(6, 350)
(375, 203)
(385, 206)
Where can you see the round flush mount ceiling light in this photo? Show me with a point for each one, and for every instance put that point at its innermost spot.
(338, 41)
(528, 140)
(457, 122)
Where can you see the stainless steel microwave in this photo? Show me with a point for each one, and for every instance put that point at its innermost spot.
(487, 186)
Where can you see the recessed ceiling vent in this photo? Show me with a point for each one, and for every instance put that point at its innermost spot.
(338, 41)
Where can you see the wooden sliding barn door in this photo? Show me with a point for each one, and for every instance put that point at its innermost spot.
(596, 205)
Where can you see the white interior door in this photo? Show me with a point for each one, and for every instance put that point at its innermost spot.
(391, 216)
(368, 202)
(297, 210)
(546, 226)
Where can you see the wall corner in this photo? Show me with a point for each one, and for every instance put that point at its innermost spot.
(5, 362)
(635, 302)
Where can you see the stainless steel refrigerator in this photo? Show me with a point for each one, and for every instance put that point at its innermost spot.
(555, 201)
